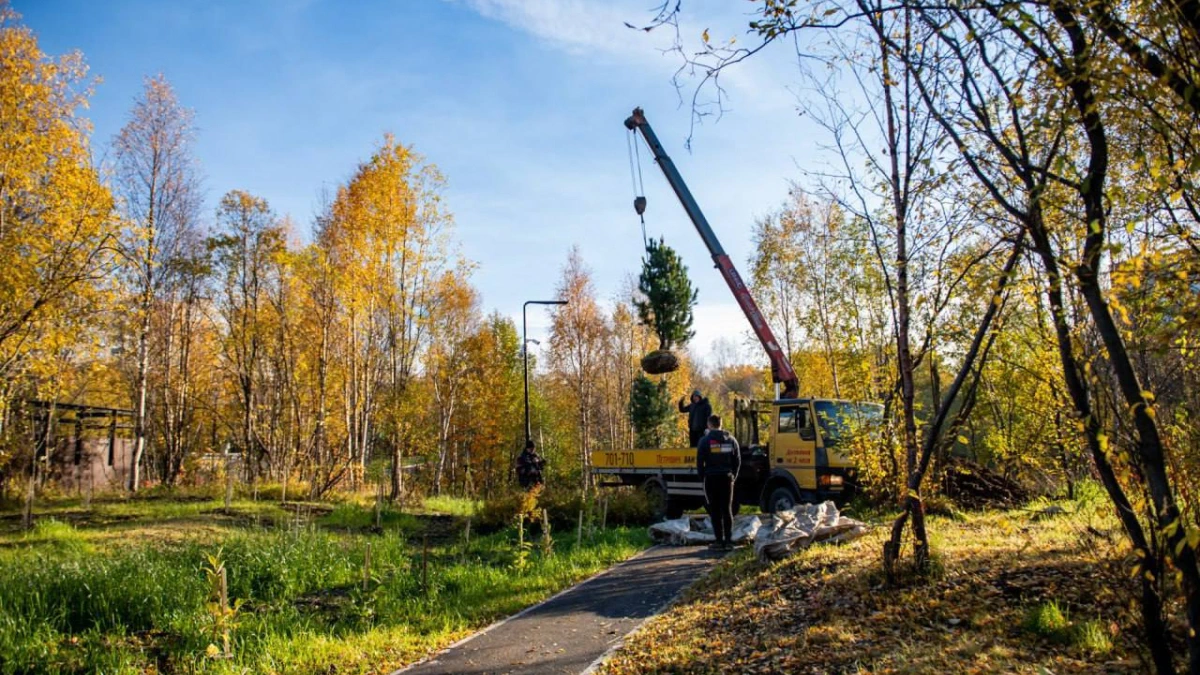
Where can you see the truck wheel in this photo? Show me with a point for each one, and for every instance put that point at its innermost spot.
(656, 495)
(782, 498)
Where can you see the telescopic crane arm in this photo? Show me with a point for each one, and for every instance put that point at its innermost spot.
(781, 368)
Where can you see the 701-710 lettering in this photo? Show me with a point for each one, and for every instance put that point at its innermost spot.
(618, 458)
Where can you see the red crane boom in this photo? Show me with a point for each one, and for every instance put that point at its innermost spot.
(781, 368)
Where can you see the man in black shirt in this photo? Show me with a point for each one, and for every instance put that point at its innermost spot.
(718, 460)
(529, 466)
(698, 412)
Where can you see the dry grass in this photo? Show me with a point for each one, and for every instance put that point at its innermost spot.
(828, 610)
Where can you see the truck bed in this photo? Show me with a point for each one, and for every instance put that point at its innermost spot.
(658, 460)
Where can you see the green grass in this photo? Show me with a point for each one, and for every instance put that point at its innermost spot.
(453, 506)
(144, 509)
(133, 597)
(1091, 638)
(1049, 621)
(353, 516)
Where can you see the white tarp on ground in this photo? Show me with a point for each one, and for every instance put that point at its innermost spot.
(802, 526)
(779, 536)
(690, 530)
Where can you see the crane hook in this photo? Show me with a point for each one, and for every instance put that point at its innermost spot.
(639, 205)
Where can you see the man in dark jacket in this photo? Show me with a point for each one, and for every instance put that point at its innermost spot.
(698, 412)
(529, 466)
(718, 460)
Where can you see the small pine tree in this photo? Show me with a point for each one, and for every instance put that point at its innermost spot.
(650, 411)
(667, 296)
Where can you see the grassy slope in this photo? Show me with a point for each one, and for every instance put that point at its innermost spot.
(123, 589)
(1010, 593)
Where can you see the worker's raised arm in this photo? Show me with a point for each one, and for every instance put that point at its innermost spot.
(684, 407)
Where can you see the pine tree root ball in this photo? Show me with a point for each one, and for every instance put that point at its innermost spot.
(660, 362)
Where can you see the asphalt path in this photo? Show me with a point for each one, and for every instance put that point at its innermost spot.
(569, 632)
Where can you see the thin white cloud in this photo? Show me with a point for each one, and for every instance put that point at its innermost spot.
(577, 26)
(591, 27)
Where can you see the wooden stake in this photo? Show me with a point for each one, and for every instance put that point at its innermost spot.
(579, 531)
(604, 516)
(27, 514)
(228, 481)
(379, 506)
(520, 530)
(425, 564)
(366, 571)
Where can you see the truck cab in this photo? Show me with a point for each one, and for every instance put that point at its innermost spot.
(800, 457)
(792, 452)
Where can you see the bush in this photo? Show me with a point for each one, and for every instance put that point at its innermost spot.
(939, 505)
(500, 512)
(629, 507)
(564, 507)
(626, 507)
(296, 490)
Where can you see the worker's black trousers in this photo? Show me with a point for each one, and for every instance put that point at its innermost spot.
(718, 493)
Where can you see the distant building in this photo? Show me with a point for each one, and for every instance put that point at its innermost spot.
(84, 448)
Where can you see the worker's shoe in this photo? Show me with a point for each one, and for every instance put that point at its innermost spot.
(716, 546)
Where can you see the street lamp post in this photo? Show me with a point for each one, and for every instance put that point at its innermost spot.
(525, 353)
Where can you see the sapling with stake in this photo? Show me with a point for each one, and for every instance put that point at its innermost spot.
(650, 411)
(222, 615)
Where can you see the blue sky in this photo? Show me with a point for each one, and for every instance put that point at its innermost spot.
(518, 102)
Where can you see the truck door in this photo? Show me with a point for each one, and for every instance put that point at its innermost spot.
(794, 447)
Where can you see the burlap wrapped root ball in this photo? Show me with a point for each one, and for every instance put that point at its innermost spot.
(660, 362)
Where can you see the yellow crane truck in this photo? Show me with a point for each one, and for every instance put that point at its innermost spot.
(797, 461)
(792, 452)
